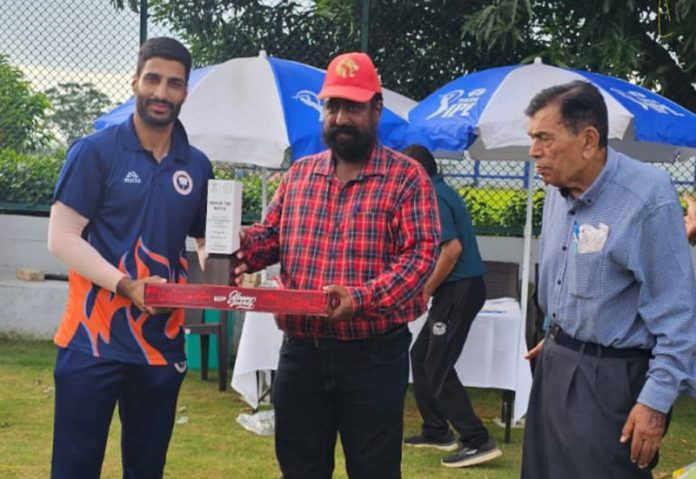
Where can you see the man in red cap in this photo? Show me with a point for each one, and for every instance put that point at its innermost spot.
(358, 220)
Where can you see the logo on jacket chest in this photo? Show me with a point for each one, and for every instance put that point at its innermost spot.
(183, 184)
(132, 178)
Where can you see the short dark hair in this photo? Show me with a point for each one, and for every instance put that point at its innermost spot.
(376, 98)
(167, 48)
(422, 156)
(580, 104)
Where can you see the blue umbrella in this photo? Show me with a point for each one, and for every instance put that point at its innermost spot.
(251, 110)
(483, 113)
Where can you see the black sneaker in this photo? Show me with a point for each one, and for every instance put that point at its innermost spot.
(468, 456)
(444, 444)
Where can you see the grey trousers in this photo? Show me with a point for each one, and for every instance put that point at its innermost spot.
(577, 409)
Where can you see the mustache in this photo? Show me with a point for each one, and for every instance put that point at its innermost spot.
(335, 130)
(160, 102)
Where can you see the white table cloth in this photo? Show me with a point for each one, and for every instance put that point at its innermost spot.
(493, 356)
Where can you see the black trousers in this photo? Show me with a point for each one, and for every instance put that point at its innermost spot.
(354, 388)
(577, 408)
(440, 396)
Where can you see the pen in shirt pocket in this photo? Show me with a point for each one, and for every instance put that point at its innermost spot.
(576, 236)
(356, 208)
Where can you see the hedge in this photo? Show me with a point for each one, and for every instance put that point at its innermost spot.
(502, 212)
(27, 181)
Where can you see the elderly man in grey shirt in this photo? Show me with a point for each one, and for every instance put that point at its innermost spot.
(617, 282)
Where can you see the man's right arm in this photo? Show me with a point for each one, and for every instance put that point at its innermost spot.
(65, 242)
(536, 350)
(450, 251)
(450, 247)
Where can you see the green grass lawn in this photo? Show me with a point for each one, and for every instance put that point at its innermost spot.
(212, 445)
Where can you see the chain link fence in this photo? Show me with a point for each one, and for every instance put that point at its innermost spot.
(63, 63)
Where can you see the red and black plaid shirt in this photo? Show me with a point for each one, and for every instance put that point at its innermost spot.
(377, 235)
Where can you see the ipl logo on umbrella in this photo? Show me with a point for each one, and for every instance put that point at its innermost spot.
(646, 103)
(454, 103)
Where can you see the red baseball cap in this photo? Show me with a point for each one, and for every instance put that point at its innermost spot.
(351, 76)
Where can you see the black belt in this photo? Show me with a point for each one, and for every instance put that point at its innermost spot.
(330, 343)
(594, 349)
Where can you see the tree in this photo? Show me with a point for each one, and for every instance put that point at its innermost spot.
(75, 107)
(651, 41)
(421, 44)
(132, 5)
(22, 111)
(218, 30)
(417, 45)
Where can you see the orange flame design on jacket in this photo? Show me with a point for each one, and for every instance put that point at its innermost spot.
(105, 305)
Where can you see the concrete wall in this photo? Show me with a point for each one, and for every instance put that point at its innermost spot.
(35, 308)
(511, 250)
(23, 244)
(31, 309)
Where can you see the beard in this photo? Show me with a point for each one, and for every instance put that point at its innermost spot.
(353, 148)
(154, 120)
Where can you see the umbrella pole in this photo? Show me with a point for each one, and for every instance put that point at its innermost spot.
(264, 192)
(264, 204)
(527, 247)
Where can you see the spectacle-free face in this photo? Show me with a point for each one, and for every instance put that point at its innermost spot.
(559, 154)
(160, 90)
(350, 128)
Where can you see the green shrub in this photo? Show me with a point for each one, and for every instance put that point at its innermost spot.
(251, 189)
(500, 211)
(481, 204)
(514, 213)
(28, 179)
(27, 182)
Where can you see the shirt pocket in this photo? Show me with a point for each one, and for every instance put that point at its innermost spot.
(368, 235)
(585, 274)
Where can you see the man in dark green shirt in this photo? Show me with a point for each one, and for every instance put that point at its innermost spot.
(458, 294)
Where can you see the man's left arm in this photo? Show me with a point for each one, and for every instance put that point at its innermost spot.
(417, 238)
(201, 252)
(661, 261)
(197, 228)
